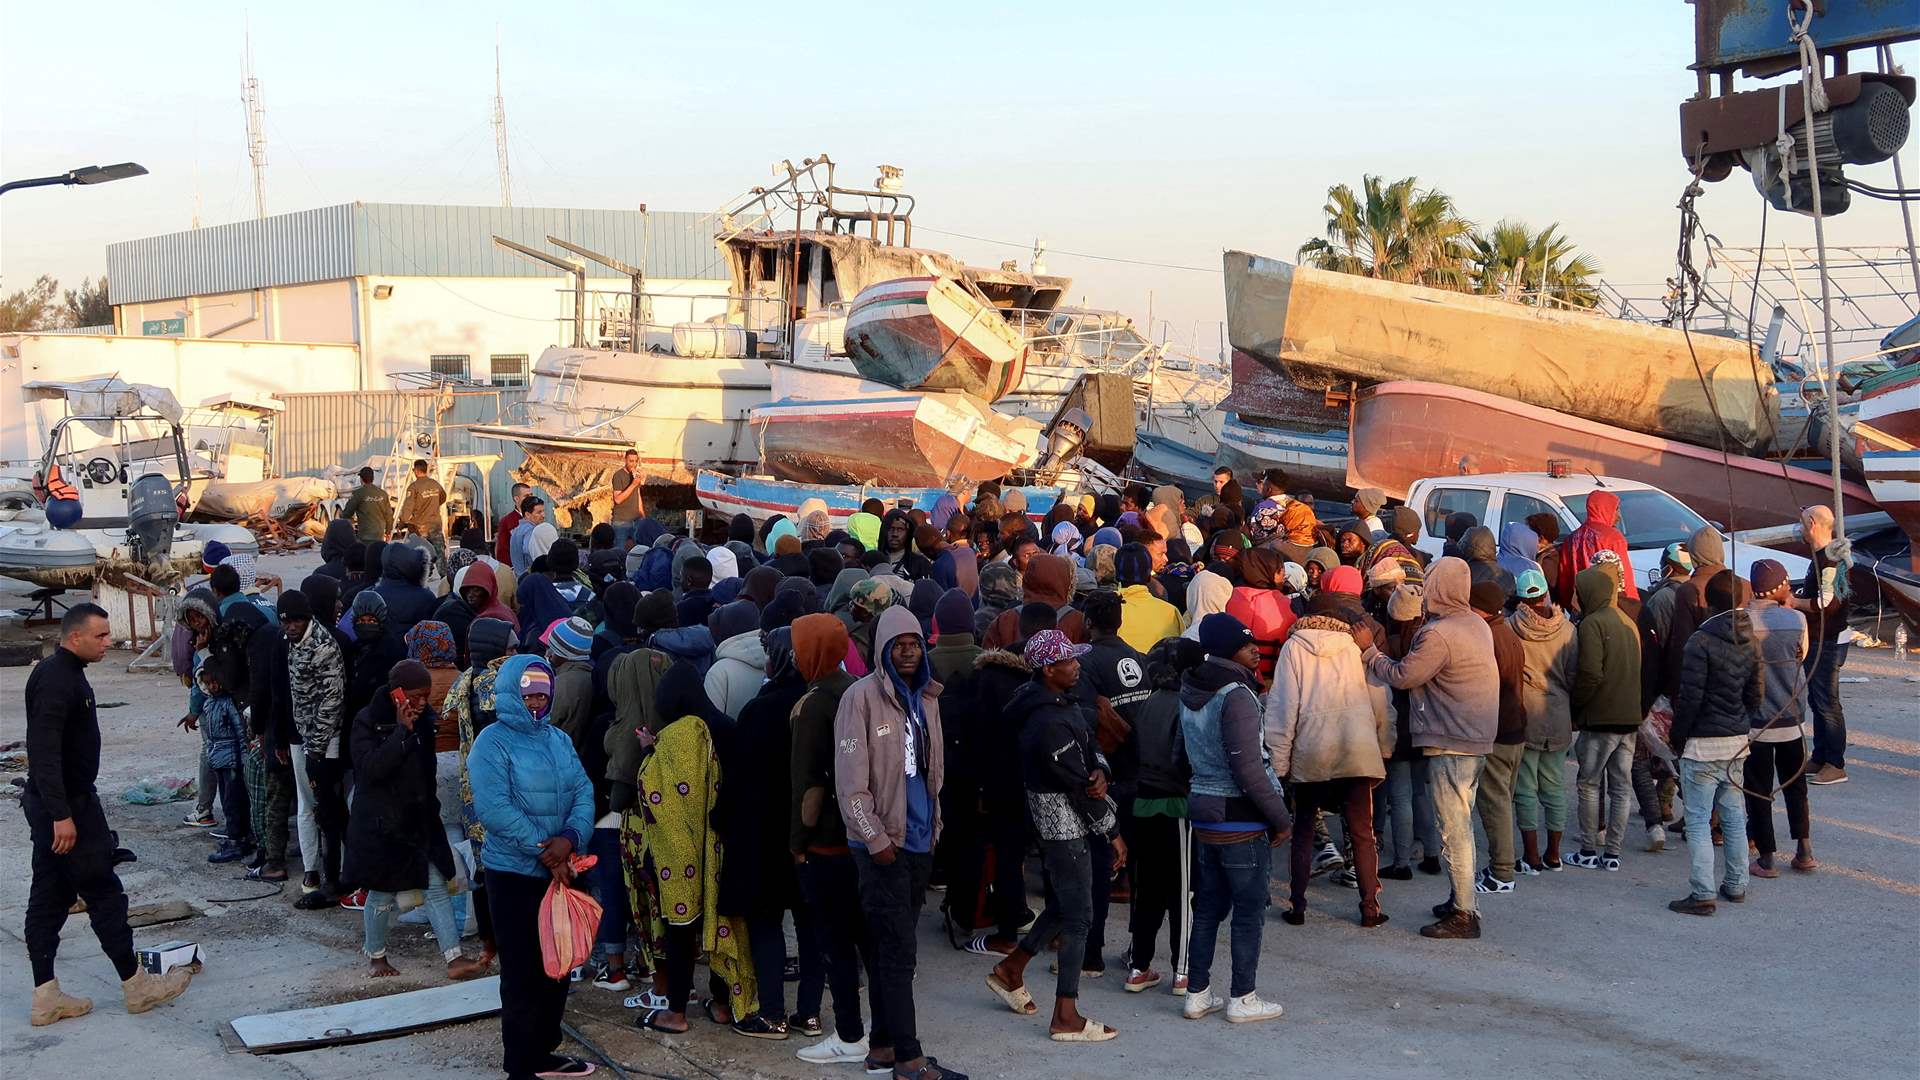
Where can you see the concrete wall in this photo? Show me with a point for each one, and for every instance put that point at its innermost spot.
(320, 312)
(195, 370)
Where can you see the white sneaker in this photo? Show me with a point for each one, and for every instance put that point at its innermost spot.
(1328, 858)
(1201, 1003)
(832, 1050)
(1656, 838)
(1249, 1008)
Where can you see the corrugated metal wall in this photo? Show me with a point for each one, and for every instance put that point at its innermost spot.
(321, 431)
(399, 240)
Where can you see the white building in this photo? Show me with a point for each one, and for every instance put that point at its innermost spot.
(414, 288)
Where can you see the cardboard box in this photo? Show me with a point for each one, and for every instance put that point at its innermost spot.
(162, 958)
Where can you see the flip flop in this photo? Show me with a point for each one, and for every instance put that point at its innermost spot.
(1094, 1031)
(648, 1020)
(977, 944)
(1017, 999)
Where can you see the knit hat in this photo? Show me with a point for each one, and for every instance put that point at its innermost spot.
(1487, 597)
(1767, 575)
(787, 544)
(1369, 501)
(1531, 584)
(732, 620)
(1223, 635)
(1051, 647)
(1405, 603)
(293, 604)
(1229, 539)
(409, 675)
(488, 640)
(1678, 555)
(569, 639)
(1707, 546)
(536, 678)
(1342, 579)
(783, 609)
(1404, 522)
(1385, 572)
(212, 553)
(953, 614)
(1133, 564)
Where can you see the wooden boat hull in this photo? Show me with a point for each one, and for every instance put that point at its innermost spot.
(1889, 431)
(930, 333)
(1407, 431)
(1314, 461)
(910, 440)
(1264, 394)
(761, 497)
(1326, 327)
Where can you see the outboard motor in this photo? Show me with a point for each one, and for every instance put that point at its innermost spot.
(152, 515)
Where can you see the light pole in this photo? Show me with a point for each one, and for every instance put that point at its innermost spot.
(89, 174)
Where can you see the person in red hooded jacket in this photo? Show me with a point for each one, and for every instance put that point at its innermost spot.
(1259, 603)
(1598, 533)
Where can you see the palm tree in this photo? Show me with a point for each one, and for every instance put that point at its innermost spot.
(1540, 268)
(1394, 231)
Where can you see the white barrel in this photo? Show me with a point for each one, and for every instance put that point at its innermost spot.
(709, 339)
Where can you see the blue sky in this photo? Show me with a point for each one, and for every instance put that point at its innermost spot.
(1119, 129)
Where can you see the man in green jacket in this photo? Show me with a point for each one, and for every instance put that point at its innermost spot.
(1606, 713)
(370, 509)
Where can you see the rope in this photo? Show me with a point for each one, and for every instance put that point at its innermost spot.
(1815, 78)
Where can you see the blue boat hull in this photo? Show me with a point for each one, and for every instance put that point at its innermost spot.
(761, 497)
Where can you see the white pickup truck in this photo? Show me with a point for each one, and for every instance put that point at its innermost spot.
(1650, 518)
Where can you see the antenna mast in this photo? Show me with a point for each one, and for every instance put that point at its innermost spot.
(500, 128)
(256, 126)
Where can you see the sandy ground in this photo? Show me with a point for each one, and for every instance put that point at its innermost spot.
(1579, 974)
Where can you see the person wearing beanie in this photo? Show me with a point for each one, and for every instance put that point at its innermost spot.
(317, 689)
(1551, 654)
(922, 597)
(817, 835)
(1238, 815)
(964, 827)
(1453, 690)
(535, 803)
(1722, 688)
(569, 646)
(1778, 753)
(739, 657)
(1366, 506)
(1494, 798)
(1403, 526)
(887, 778)
(1067, 783)
(395, 842)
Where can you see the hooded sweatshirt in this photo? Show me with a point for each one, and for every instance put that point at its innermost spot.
(1207, 594)
(890, 766)
(819, 641)
(1599, 531)
(1606, 682)
(403, 569)
(632, 682)
(1049, 580)
(1482, 555)
(739, 669)
(1326, 719)
(1551, 654)
(999, 592)
(1449, 670)
(1519, 548)
(333, 549)
(527, 781)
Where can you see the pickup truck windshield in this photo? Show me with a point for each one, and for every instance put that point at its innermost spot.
(1650, 519)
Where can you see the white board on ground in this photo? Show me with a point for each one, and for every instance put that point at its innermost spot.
(368, 1018)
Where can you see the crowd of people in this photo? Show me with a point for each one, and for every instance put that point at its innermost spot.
(775, 746)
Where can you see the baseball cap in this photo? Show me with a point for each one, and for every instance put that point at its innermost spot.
(1530, 585)
(1051, 647)
(1677, 554)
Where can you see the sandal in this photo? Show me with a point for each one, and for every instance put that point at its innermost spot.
(977, 944)
(707, 1007)
(1093, 1031)
(647, 999)
(650, 1021)
(1017, 998)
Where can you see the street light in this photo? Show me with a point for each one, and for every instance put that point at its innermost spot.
(90, 174)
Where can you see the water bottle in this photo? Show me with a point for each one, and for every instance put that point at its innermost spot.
(1900, 641)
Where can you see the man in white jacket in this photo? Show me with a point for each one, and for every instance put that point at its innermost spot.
(739, 656)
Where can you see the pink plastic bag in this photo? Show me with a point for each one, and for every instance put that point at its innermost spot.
(569, 919)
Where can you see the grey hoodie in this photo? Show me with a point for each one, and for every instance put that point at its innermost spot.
(1449, 670)
(1552, 653)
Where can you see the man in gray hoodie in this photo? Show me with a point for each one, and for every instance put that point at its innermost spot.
(1551, 654)
(1454, 693)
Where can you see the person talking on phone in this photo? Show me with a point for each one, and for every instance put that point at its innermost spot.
(536, 804)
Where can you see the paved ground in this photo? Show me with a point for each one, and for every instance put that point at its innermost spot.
(1580, 974)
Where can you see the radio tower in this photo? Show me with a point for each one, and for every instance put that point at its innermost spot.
(500, 130)
(256, 126)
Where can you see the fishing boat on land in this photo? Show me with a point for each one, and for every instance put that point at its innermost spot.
(933, 333)
(911, 439)
(1326, 328)
(761, 497)
(1406, 431)
(1314, 461)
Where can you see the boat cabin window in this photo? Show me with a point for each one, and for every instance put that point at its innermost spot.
(1648, 518)
(1445, 501)
(1518, 507)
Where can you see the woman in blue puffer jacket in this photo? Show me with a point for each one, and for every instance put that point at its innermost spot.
(536, 804)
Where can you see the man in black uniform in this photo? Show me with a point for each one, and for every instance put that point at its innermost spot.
(72, 845)
(1113, 671)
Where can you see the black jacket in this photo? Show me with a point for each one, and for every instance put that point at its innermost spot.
(1115, 670)
(756, 798)
(63, 735)
(1057, 753)
(997, 675)
(1721, 681)
(395, 830)
(1157, 743)
(459, 616)
(263, 639)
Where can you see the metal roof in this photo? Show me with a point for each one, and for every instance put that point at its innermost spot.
(400, 240)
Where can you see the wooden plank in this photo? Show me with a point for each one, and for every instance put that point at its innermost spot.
(368, 1019)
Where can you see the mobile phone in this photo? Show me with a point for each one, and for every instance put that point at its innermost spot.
(399, 698)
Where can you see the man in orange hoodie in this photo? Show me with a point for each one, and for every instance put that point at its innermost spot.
(1048, 580)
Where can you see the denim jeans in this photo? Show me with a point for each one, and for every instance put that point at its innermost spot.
(1452, 780)
(610, 888)
(1605, 758)
(1403, 804)
(1705, 785)
(378, 916)
(1823, 695)
(1069, 910)
(1540, 790)
(1229, 878)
